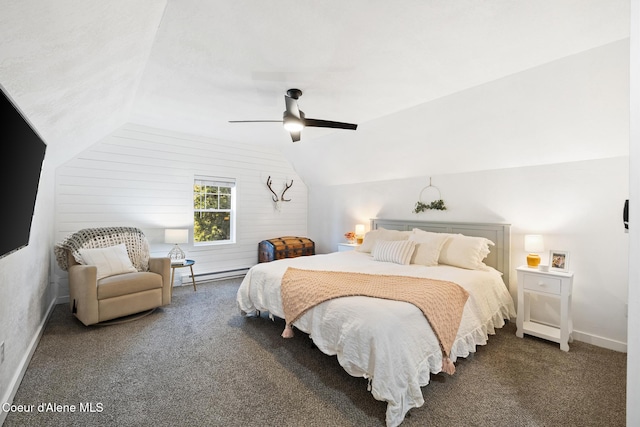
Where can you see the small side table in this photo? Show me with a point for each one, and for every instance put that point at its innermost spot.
(188, 263)
(344, 247)
(556, 284)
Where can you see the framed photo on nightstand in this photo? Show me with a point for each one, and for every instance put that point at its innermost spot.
(559, 260)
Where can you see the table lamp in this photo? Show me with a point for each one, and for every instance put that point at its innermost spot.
(534, 244)
(172, 235)
(359, 233)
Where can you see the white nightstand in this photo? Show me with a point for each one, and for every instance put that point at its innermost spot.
(556, 284)
(344, 247)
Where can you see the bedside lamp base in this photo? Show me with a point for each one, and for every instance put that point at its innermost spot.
(533, 260)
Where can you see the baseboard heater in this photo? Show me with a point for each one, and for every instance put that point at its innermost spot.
(215, 275)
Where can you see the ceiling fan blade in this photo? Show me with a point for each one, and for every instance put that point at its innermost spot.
(294, 120)
(292, 106)
(329, 124)
(255, 121)
(295, 136)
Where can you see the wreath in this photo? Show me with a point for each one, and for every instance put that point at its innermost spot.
(436, 204)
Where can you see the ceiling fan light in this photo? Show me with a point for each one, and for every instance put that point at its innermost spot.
(293, 124)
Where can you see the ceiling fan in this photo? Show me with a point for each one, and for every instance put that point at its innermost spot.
(294, 120)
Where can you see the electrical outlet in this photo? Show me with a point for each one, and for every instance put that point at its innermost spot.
(1, 351)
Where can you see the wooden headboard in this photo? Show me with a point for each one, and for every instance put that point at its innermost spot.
(498, 233)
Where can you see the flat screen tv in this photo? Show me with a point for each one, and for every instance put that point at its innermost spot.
(22, 163)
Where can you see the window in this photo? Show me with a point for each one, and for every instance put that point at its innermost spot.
(214, 201)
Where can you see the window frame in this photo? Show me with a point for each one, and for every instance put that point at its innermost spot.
(216, 181)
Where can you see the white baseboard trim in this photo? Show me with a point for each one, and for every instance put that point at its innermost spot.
(600, 341)
(24, 363)
(214, 275)
(594, 340)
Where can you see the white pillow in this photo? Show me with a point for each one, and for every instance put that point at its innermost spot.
(397, 251)
(110, 261)
(465, 252)
(373, 236)
(428, 246)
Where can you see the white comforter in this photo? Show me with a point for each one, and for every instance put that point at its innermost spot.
(388, 342)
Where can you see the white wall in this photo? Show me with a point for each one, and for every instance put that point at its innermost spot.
(26, 294)
(633, 357)
(576, 206)
(575, 108)
(143, 177)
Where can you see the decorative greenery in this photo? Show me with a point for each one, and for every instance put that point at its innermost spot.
(436, 204)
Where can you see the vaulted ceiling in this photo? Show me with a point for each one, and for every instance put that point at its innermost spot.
(79, 69)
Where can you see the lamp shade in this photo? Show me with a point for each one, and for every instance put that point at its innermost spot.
(533, 243)
(359, 233)
(176, 235)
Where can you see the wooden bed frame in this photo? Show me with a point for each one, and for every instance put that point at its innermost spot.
(498, 233)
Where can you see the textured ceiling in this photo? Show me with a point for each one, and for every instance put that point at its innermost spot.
(79, 69)
(355, 61)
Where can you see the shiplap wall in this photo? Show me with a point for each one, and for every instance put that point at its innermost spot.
(143, 177)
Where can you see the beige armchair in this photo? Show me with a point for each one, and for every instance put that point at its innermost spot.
(139, 286)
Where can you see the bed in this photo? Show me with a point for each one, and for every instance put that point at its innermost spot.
(391, 342)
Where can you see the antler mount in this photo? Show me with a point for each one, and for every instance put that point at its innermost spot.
(275, 196)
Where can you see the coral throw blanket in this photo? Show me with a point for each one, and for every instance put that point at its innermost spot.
(440, 301)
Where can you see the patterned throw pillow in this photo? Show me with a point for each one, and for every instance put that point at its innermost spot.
(396, 251)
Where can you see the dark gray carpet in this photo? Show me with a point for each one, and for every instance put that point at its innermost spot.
(198, 362)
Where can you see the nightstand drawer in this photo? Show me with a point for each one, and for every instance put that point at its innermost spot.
(538, 283)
